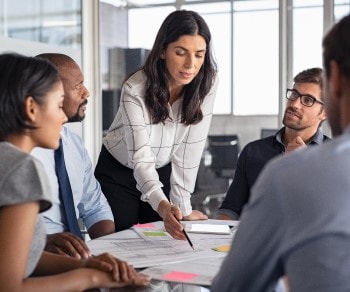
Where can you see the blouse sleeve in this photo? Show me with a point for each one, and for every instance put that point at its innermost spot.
(185, 162)
(136, 124)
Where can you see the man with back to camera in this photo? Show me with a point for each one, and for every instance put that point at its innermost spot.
(297, 220)
(89, 202)
(303, 116)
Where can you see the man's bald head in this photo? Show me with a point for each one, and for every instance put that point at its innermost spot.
(76, 94)
(57, 59)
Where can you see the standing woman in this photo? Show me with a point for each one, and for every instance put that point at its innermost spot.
(150, 156)
(31, 115)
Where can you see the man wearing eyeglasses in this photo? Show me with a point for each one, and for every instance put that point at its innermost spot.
(302, 119)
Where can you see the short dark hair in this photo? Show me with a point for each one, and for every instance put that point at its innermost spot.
(21, 77)
(336, 46)
(175, 25)
(312, 75)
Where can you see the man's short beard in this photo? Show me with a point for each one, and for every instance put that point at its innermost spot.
(295, 127)
(76, 118)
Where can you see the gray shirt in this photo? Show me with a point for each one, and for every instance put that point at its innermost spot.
(23, 180)
(296, 223)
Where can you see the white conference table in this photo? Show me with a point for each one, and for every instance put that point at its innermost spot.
(172, 264)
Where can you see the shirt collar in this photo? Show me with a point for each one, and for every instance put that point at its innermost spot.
(316, 139)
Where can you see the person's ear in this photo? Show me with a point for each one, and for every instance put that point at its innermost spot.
(31, 109)
(162, 54)
(323, 115)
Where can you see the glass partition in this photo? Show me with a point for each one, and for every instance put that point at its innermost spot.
(45, 21)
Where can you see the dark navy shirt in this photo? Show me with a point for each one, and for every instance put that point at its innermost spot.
(251, 161)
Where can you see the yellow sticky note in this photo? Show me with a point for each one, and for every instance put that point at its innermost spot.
(222, 248)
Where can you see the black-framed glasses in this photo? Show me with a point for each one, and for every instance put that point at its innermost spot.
(305, 99)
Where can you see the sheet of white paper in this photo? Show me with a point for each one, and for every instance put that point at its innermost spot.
(141, 252)
(145, 253)
(207, 228)
(213, 221)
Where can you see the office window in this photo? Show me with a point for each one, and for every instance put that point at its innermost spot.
(307, 35)
(46, 21)
(341, 8)
(255, 58)
(142, 32)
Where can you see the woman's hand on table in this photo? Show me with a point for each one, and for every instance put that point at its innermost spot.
(122, 273)
(196, 215)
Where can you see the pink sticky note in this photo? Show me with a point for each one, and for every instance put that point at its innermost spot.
(145, 225)
(179, 276)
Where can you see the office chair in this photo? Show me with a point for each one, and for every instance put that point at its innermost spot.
(264, 132)
(208, 184)
(215, 172)
(224, 150)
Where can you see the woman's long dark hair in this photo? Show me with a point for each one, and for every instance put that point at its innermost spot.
(177, 24)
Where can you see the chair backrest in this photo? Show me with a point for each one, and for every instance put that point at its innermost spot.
(224, 150)
(267, 132)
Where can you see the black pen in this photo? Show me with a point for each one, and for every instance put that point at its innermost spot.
(188, 239)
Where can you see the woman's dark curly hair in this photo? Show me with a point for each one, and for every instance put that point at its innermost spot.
(177, 24)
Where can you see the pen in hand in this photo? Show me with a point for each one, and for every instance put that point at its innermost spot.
(183, 228)
(187, 238)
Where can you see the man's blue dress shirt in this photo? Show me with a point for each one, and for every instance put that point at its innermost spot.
(90, 203)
